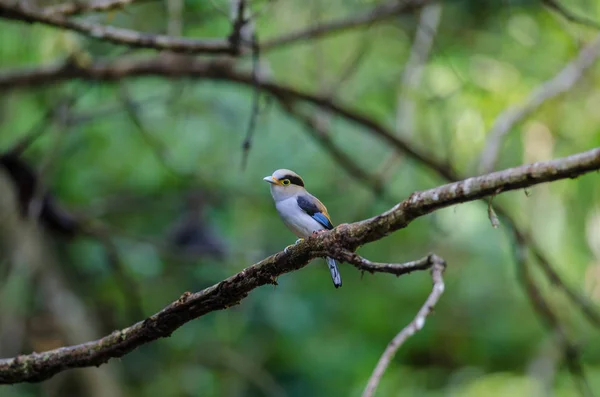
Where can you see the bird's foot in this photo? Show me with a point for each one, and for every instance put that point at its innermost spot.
(287, 249)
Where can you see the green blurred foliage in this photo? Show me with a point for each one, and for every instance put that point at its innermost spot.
(303, 338)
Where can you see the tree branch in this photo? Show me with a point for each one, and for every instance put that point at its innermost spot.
(79, 7)
(569, 15)
(437, 265)
(410, 80)
(397, 269)
(39, 366)
(21, 11)
(577, 298)
(379, 13)
(557, 85)
(160, 151)
(319, 133)
(550, 319)
(216, 70)
(244, 32)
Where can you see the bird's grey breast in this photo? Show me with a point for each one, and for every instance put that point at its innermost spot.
(298, 221)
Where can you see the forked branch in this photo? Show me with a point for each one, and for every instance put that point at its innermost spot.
(39, 366)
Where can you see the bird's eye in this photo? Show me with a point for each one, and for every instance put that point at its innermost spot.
(285, 182)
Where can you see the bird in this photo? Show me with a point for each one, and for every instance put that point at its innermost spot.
(300, 211)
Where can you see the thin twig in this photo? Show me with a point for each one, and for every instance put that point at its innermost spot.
(317, 132)
(437, 269)
(410, 80)
(241, 31)
(154, 144)
(580, 301)
(22, 11)
(547, 315)
(244, 31)
(48, 161)
(352, 66)
(219, 9)
(429, 21)
(590, 312)
(81, 7)
(319, 124)
(42, 126)
(560, 83)
(127, 284)
(397, 269)
(247, 144)
(569, 15)
(379, 13)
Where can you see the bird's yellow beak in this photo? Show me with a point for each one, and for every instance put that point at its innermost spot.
(271, 180)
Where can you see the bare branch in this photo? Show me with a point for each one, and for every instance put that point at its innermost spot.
(379, 13)
(247, 144)
(411, 77)
(158, 149)
(318, 132)
(351, 68)
(437, 269)
(410, 80)
(80, 7)
(216, 70)
(579, 300)
(241, 29)
(244, 32)
(396, 269)
(43, 125)
(549, 317)
(569, 15)
(39, 366)
(560, 83)
(21, 11)
(128, 285)
(492, 214)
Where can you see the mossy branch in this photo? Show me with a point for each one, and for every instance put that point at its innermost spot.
(348, 237)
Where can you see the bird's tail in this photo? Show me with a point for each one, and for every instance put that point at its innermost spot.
(335, 273)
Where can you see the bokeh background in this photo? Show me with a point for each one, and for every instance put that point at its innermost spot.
(153, 167)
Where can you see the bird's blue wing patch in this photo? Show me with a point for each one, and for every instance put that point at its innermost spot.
(322, 219)
(310, 207)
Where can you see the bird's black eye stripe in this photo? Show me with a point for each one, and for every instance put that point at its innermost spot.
(294, 180)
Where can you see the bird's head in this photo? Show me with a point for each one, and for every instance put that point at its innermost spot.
(285, 184)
